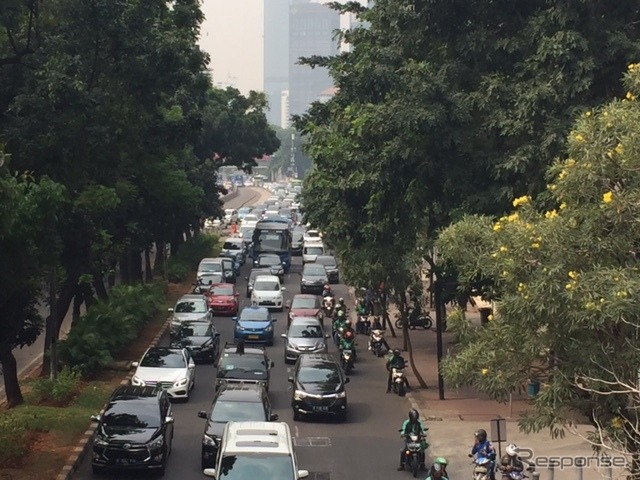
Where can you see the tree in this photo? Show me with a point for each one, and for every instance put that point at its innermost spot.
(566, 282)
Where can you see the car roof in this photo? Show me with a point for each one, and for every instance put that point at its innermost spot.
(257, 437)
(210, 260)
(240, 392)
(164, 349)
(233, 240)
(260, 271)
(305, 321)
(253, 350)
(271, 278)
(315, 359)
(255, 307)
(305, 295)
(191, 296)
(325, 257)
(131, 392)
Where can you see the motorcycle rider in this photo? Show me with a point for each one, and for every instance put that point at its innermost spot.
(361, 312)
(511, 462)
(395, 360)
(409, 426)
(339, 322)
(442, 462)
(484, 448)
(327, 292)
(341, 305)
(437, 472)
(348, 339)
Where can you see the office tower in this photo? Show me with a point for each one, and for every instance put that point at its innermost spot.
(276, 55)
(285, 120)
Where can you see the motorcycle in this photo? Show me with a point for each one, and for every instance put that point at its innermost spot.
(398, 382)
(483, 467)
(413, 453)
(363, 325)
(515, 475)
(416, 319)
(377, 346)
(328, 304)
(347, 359)
(201, 288)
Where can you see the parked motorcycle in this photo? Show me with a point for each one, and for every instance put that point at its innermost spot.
(413, 453)
(398, 382)
(377, 345)
(416, 320)
(363, 325)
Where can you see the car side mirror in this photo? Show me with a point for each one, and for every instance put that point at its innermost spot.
(169, 309)
(96, 418)
(192, 365)
(274, 319)
(246, 278)
(347, 380)
(134, 364)
(290, 379)
(234, 319)
(327, 335)
(287, 304)
(202, 414)
(283, 288)
(274, 417)
(271, 364)
(303, 473)
(209, 472)
(168, 420)
(283, 335)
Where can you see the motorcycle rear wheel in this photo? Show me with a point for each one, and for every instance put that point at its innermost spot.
(427, 323)
(415, 467)
(401, 390)
(399, 323)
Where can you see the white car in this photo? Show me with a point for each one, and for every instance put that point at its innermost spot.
(171, 368)
(312, 237)
(267, 292)
(230, 215)
(250, 220)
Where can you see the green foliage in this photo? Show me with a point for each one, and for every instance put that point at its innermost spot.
(459, 325)
(108, 326)
(565, 281)
(178, 269)
(60, 390)
(14, 441)
(180, 265)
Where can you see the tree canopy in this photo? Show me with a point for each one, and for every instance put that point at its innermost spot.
(565, 281)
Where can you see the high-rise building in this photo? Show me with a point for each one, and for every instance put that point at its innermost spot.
(276, 55)
(312, 29)
(285, 120)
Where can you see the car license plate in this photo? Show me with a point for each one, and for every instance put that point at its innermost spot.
(123, 461)
(321, 409)
(254, 337)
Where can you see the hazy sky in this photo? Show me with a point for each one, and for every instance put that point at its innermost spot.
(232, 35)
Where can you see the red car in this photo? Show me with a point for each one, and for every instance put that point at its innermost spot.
(305, 305)
(223, 299)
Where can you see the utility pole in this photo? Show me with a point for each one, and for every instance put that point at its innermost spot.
(439, 324)
(52, 325)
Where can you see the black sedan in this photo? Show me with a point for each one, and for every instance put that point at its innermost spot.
(313, 279)
(318, 387)
(331, 267)
(200, 338)
(272, 262)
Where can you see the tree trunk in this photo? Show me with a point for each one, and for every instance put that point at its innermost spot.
(65, 295)
(135, 264)
(125, 275)
(111, 278)
(10, 374)
(414, 368)
(77, 303)
(98, 286)
(159, 264)
(148, 269)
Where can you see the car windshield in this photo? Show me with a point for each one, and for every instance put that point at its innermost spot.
(163, 359)
(314, 270)
(269, 260)
(209, 279)
(242, 362)
(231, 246)
(328, 261)
(247, 232)
(266, 286)
(298, 236)
(315, 250)
(210, 267)
(191, 306)
(254, 466)
(226, 289)
(196, 330)
(305, 331)
(254, 314)
(131, 414)
(237, 412)
(318, 375)
(250, 218)
(304, 303)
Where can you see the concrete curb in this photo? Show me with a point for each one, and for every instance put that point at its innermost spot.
(85, 443)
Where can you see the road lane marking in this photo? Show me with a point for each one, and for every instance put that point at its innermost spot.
(312, 441)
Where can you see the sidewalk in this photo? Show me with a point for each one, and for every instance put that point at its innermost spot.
(453, 421)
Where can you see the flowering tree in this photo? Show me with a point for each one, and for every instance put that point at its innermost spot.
(566, 281)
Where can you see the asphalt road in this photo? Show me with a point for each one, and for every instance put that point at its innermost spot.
(366, 446)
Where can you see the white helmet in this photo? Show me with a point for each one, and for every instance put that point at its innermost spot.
(512, 449)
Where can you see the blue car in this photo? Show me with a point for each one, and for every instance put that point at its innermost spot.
(254, 325)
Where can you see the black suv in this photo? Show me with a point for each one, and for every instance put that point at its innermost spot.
(234, 402)
(135, 431)
(319, 386)
(243, 365)
(200, 338)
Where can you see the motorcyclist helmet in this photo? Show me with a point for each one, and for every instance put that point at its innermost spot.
(481, 435)
(396, 352)
(512, 450)
(414, 415)
(441, 461)
(340, 313)
(348, 335)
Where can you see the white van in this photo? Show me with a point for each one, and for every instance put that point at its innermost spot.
(311, 252)
(267, 292)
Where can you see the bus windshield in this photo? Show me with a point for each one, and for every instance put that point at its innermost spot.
(271, 241)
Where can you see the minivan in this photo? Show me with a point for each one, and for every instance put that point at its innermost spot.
(311, 252)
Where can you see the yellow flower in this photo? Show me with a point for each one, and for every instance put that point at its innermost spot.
(513, 217)
(504, 249)
(579, 138)
(535, 245)
(587, 114)
(570, 162)
(590, 306)
(494, 255)
(497, 227)
(551, 187)
(489, 317)
(562, 174)
(568, 286)
(521, 200)
(630, 96)
(607, 197)
(610, 154)
(485, 371)
(505, 273)
(563, 206)
(619, 149)
(551, 214)
(521, 287)
(621, 294)
(617, 422)
(573, 275)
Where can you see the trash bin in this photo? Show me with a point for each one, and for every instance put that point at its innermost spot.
(484, 315)
(533, 388)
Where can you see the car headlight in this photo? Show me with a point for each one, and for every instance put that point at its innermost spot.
(210, 441)
(157, 443)
(320, 346)
(100, 441)
(239, 328)
(341, 395)
(299, 395)
(137, 381)
(269, 328)
(181, 382)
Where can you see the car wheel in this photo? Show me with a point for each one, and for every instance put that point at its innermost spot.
(296, 415)
(342, 416)
(97, 470)
(161, 471)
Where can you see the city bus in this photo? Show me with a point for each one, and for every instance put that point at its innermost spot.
(272, 236)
